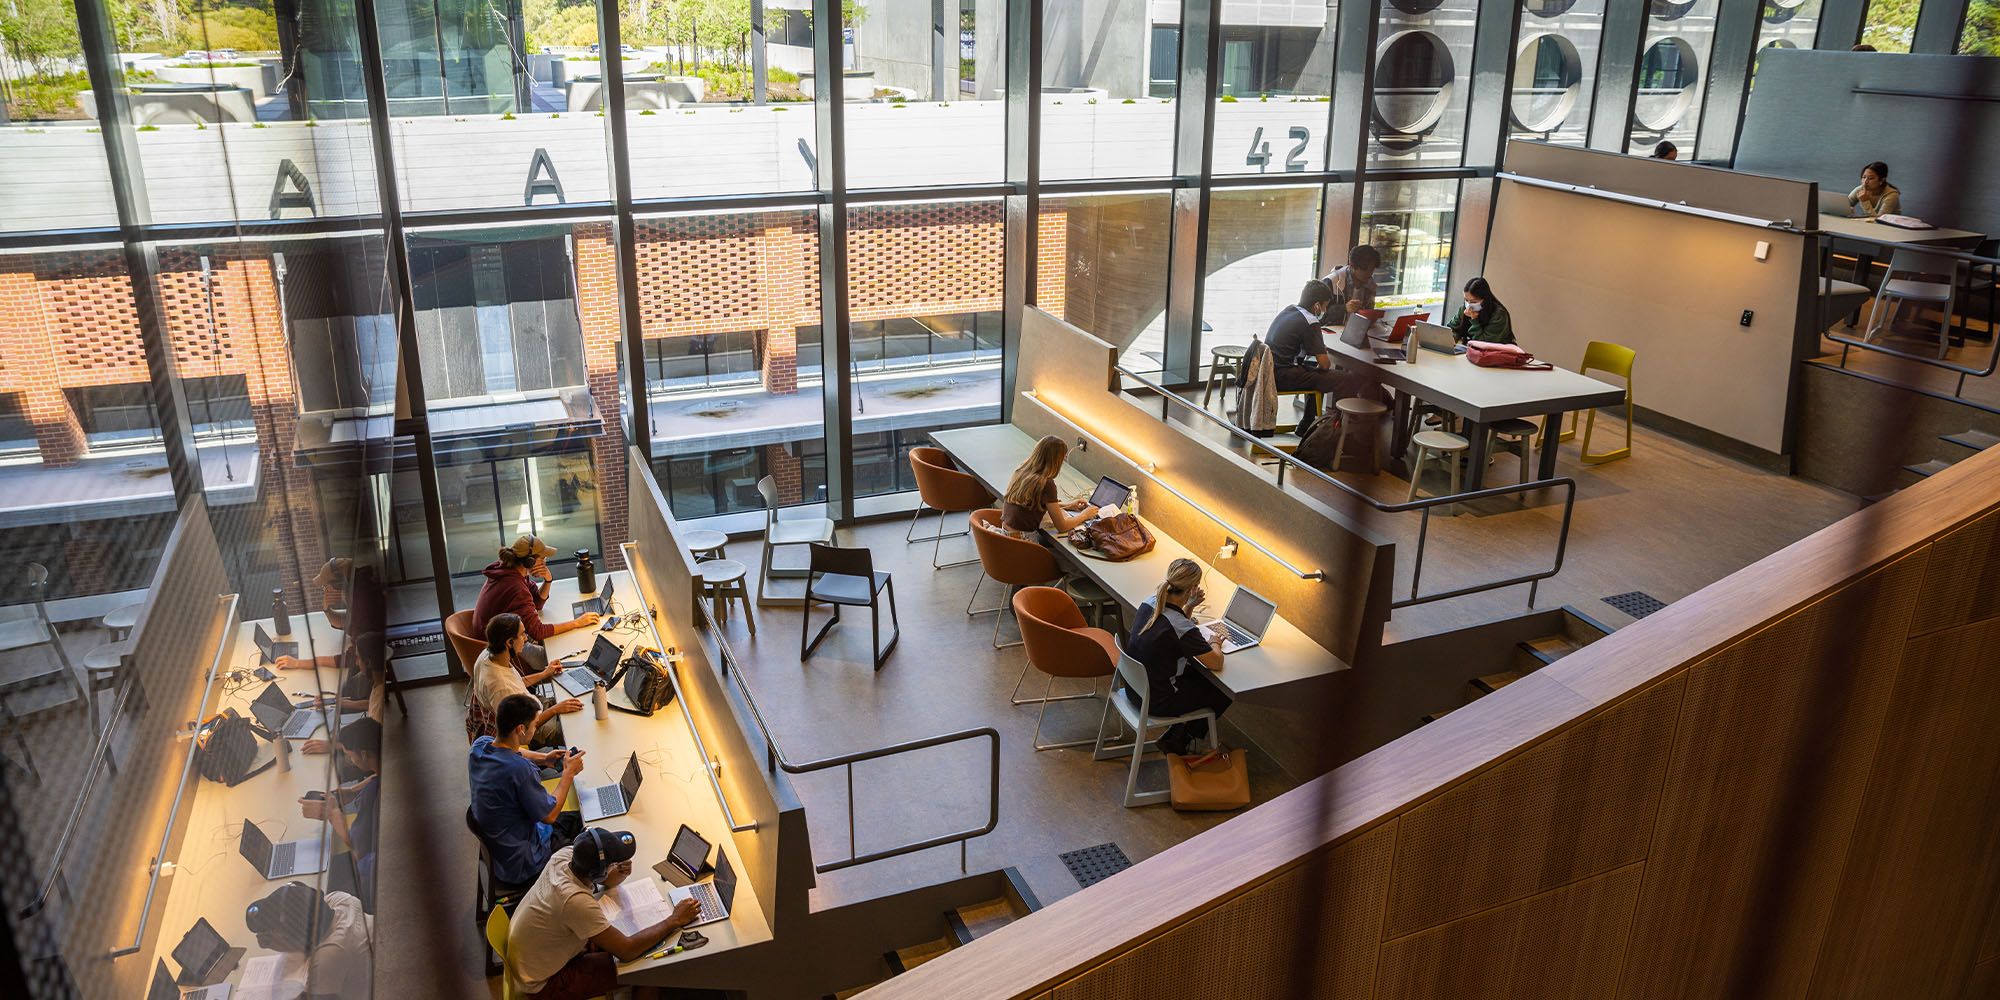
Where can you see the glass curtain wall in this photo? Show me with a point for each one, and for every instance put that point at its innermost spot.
(1423, 74)
(1891, 25)
(1110, 72)
(1555, 67)
(1788, 24)
(1262, 247)
(1673, 68)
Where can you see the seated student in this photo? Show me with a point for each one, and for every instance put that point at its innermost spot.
(1295, 339)
(1666, 151)
(1875, 197)
(561, 944)
(1031, 494)
(518, 582)
(1352, 284)
(514, 813)
(497, 675)
(331, 931)
(1482, 317)
(1172, 648)
(361, 744)
(332, 581)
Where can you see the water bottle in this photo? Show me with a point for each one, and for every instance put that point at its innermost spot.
(586, 573)
(281, 619)
(600, 706)
(284, 754)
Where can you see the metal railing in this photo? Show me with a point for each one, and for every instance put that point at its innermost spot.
(1423, 505)
(1986, 269)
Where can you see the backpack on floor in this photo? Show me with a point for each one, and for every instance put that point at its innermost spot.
(1319, 442)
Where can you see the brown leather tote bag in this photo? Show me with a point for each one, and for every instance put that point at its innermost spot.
(1115, 538)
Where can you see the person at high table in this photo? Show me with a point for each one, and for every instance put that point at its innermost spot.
(517, 582)
(361, 744)
(1178, 655)
(1031, 494)
(329, 930)
(1352, 284)
(1300, 359)
(497, 676)
(561, 944)
(1482, 317)
(519, 819)
(1875, 197)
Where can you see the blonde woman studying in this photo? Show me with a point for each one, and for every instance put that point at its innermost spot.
(1031, 494)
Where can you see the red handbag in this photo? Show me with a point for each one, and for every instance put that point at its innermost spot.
(1487, 354)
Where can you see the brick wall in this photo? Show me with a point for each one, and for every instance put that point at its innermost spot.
(597, 308)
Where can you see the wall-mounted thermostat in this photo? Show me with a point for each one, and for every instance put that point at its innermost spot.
(1763, 250)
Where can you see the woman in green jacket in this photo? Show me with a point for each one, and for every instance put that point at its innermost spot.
(1482, 317)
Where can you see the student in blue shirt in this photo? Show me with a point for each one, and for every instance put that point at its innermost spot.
(514, 813)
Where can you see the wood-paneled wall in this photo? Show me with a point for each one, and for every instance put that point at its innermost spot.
(1784, 785)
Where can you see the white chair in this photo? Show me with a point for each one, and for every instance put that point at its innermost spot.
(777, 534)
(1132, 696)
(1917, 290)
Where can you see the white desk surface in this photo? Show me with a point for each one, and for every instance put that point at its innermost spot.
(212, 879)
(676, 788)
(991, 453)
(1482, 395)
(1875, 232)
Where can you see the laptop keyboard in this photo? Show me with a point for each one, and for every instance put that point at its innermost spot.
(610, 799)
(283, 857)
(710, 900)
(1237, 637)
(301, 724)
(577, 680)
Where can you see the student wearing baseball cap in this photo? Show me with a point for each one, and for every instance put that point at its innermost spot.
(329, 930)
(561, 943)
(518, 583)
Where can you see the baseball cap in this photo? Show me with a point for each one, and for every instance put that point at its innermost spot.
(601, 851)
(528, 546)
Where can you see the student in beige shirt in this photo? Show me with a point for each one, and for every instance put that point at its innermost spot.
(1875, 197)
(330, 933)
(495, 676)
(561, 944)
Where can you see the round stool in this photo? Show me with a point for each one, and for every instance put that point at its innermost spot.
(1224, 360)
(105, 657)
(1519, 431)
(121, 620)
(705, 544)
(1357, 413)
(1443, 446)
(722, 580)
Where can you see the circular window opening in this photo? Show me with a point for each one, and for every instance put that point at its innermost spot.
(1547, 8)
(1779, 13)
(1418, 6)
(1672, 10)
(1413, 75)
(1547, 76)
(1667, 78)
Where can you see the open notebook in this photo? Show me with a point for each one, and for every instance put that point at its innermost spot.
(635, 905)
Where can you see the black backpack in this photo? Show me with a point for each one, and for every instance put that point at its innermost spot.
(647, 685)
(227, 746)
(1318, 441)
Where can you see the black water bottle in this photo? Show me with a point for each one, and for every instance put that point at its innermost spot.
(586, 573)
(281, 619)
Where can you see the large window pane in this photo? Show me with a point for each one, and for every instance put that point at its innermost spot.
(50, 154)
(1411, 223)
(1555, 68)
(1110, 254)
(730, 315)
(1261, 248)
(1891, 24)
(1109, 76)
(1787, 24)
(1981, 34)
(1423, 69)
(1672, 74)
(920, 109)
(1275, 86)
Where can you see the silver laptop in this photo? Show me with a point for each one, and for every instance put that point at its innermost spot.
(1355, 332)
(274, 712)
(606, 801)
(599, 667)
(272, 648)
(715, 895)
(599, 605)
(164, 987)
(1109, 493)
(1432, 337)
(306, 856)
(1244, 624)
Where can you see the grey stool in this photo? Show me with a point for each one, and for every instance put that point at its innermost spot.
(1440, 446)
(1521, 432)
(1355, 414)
(1224, 360)
(723, 580)
(705, 544)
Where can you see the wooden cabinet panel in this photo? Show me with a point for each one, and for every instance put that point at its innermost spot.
(1568, 942)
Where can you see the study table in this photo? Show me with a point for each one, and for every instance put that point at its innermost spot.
(676, 787)
(1480, 396)
(1871, 231)
(991, 453)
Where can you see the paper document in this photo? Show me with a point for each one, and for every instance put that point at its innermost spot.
(263, 978)
(635, 905)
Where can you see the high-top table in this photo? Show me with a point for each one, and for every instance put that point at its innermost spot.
(991, 454)
(1480, 396)
(1871, 231)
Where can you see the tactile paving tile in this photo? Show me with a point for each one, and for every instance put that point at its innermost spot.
(1636, 603)
(1095, 864)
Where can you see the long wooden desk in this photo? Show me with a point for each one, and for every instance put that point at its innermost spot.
(211, 878)
(992, 453)
(1871, 231)
(1480, 396)
(676, 788)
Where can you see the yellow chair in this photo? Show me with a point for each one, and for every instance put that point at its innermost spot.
(497, 923)
(1610, 359)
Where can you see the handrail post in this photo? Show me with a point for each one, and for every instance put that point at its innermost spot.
(1423, 535)
(853, 846)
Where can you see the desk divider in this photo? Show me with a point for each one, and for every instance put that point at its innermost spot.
(1071, 376)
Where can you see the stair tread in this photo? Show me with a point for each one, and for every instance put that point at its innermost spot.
(1930, 468)
(1975, 440)
(1495, 681)
(918, 954)
(981, 919)
(1550, 648)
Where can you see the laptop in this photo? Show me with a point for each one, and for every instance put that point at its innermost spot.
(1403, 324)
(1109, 493)
(272, 648)
(1246, 620)
(690, 856)
(606, 801)
(1432, 337)
(276, 861)
(601, 666)
(204, 957)
(164, 987)
(274, 711)
(599, 605)
(1355, 333)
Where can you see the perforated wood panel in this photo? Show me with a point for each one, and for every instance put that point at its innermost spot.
(1909, 914)
(1729, 831)
(1245, 949)
(1963, 583)
(1575, 805)
(1564, 943)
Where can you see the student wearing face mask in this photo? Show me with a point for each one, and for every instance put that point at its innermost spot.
(1482, 317)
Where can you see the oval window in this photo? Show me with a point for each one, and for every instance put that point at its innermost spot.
(1668, 76)
(1548, 72)
(1413, 78)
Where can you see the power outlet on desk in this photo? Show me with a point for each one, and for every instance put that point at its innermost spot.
(1747, 315)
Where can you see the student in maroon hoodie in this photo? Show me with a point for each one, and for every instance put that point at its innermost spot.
(518, 583)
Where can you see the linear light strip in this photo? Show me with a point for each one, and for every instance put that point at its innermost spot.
(1671, 206)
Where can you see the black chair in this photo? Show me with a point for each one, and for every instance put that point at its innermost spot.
(490, 892)
(847, 577)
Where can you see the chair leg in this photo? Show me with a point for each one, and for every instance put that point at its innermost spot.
(805, 648)
(969, 613)
(1036, 740)
(1003, 611)
(937, 549)
(1016, 699)
(749, 616)
(895, 623)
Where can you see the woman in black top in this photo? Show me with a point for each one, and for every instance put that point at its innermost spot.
(1174, 651)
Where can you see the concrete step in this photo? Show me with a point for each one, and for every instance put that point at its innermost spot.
(1975, 440)
(974, 921)
(1928, 469)
(1550, 648)
(1494, 682)
(904, 959)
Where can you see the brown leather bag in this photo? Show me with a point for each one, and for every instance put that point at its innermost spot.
(1219, 780)
(1115, 538)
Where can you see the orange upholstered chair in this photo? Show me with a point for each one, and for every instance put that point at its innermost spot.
(458, 630)
(943, 488)
(1004, 559)
(1059, 645)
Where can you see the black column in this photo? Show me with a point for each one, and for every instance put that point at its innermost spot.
(1187, 258)
(1487, 117)
(1736, 26)
(1840, 24)
(1617, 75)
(625, 235)
(1938, 26)
(1353, 113)
(836, 366)
(1024, 180)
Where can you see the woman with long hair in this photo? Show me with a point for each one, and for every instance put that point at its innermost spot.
(1031, 494)
(1875, 196)
(1173, 648)
(1482, 317)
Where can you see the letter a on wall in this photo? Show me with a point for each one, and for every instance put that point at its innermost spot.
(539, 184)
(299, 196)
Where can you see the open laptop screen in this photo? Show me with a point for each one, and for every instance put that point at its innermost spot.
(603, 659)
(1109, 493)
(203, 947)
(1250, 612)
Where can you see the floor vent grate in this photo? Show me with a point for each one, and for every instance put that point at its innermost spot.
(1636, 603)
(1095, 864)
